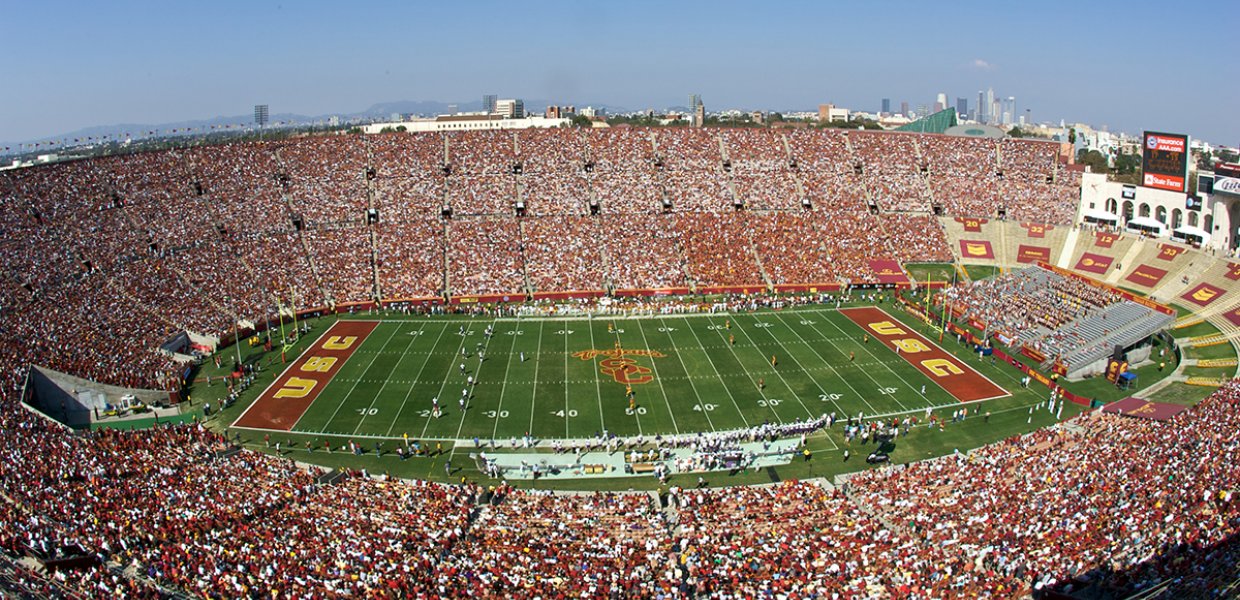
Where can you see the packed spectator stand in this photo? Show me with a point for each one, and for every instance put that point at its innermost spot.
(200, 238)
(105, 258)
(1108, 501)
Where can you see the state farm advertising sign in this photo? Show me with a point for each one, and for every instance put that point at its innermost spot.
(1164, 161)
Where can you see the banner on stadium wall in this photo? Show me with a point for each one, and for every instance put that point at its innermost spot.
(1169, 252)
(1203, 294)
(813, 288)
(888, 271)
(420, 301)
(1033, 353)
(487, 299)
(641, 292)
(1137, 407)
(1146, 276)
(1037, 230)
(731, 289)
(976, 249)
(1042, 379)
(1094, 263)
(1031, 254)
(1105, 239)
(972, 224)
(1115, 368)
(569, 295)
(978, 325)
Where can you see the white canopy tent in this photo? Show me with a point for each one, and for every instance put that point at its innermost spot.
(1194, 235)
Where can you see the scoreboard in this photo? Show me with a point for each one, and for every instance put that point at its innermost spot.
(1164, 161)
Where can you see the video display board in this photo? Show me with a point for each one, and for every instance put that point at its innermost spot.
(1164, 161)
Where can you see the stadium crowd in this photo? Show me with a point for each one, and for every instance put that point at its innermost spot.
(1029, 303)
(1107, 500)
(104, 251)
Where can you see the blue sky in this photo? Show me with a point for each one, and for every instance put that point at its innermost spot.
(1131, 66)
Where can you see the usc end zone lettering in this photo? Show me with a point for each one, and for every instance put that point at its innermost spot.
(949, 372)
(295, 390)
(620, 365)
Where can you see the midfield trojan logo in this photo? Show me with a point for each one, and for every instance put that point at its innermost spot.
(620, 364)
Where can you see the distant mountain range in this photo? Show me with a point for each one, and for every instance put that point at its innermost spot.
(379, 111)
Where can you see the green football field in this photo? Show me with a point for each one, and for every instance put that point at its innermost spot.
(569, 378)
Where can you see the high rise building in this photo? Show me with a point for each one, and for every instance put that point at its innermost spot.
(488, 103)
(510, 108)
(980, 109)
(904, 108)
(697, 112)
(1010, 114)
(940, 102)
(962, 108)
(886, 106)
(991, 110)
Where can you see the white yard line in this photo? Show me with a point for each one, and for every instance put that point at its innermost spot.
(534, 396)
(413, 383)
(443, 386)
(468, 400)
(779, 374)
(749, 372)
(720, 376)
(685, 367)
(843, 412)
(877, 386)
(654, 365)
(504, 384)
(345, 399)
(386, 381)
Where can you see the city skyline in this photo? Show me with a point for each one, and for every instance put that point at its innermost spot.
(134, 62)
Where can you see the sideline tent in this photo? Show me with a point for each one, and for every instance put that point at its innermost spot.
(1094, 215)
(1147, 226)
(1193, 235)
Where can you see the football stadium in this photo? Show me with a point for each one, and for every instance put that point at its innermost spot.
(607, 360)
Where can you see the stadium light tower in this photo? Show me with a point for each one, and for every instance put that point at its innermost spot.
(260, 117)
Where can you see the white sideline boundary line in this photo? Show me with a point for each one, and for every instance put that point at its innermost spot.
(1005, 393)
(289, 368)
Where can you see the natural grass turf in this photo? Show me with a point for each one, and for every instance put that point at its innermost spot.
(722, 374)
(981, 271)
(924, 272)
(702, 382)
(1181, 393)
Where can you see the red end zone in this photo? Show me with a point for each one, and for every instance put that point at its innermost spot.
(943, 368)
(287, 399)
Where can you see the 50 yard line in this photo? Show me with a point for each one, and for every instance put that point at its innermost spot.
(655, 367)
